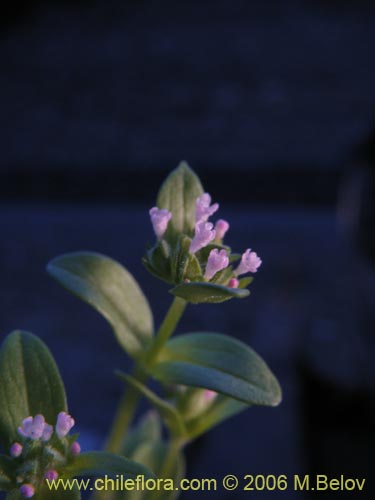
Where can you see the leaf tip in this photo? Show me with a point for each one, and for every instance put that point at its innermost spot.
(278, 394)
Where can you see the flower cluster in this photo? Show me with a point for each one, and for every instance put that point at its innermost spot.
(41, 450)
(206, 234)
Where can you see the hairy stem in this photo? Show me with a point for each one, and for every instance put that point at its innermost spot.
(130, 399)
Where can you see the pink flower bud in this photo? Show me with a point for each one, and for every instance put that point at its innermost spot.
(160, 219)
(16, 450)
(221, 227)
(203, 208)
(51, 475)
(249, 263)
(209, 395)
(64, 423)
(27, 490)
(216, 262)
(75, 449)
(47, 432)
(204, 234)
(233, 283)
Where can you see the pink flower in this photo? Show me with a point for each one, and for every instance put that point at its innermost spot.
(216, 262)
(204, 234)
(32, 427)
(51, 475)
(203, 208)
(160, 219)
(64, 423)
(249, 263)
(16, 450)
(75, 449)
(209, 396)
(27, 490)
(221, 227)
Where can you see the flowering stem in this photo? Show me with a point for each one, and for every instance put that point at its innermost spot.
(131, 397)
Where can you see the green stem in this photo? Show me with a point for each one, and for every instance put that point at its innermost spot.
(168, 468)
(125, 413)
(170, 460)
(130, 399)
(167, 328)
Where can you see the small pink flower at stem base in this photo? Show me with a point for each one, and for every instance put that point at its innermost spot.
(216, 262)
(64, 423)
(204, 234)
(209, 395)
(203, 208)
(27, 490)
(75, 449)
(233, 283)
(249, 263)
(16, 450)
(160, 218)
(221, 227)
(32, 427)
(51, 475)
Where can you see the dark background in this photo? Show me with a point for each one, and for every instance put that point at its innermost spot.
(272, 103)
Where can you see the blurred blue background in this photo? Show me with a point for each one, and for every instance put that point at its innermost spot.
(272, 103)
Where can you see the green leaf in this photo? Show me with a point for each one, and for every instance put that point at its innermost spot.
(96, 463)
(178, 194)
(244, 282)
(219, 363)
(222, 277)
(168, 412)
(158, 261)
(30, 383)
(234, 257)
(198, 292)
(112, 291)
(185, 265)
